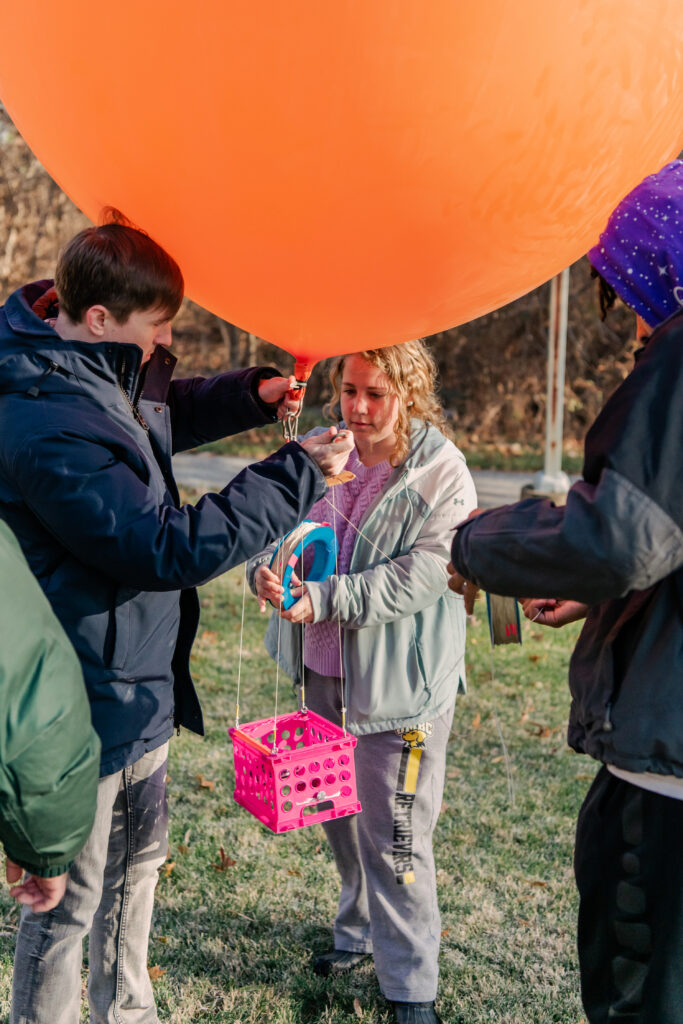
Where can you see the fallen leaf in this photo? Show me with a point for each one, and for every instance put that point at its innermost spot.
(205, 783)
(155, 972)
(357, 1008)
(183, 849)
(294, 873)
(445, 932)
(210, 635)
(186, 837)
(534, 657)
(162, 938)
(225, 861)
(497, 760)
(523, 920)
(535, 883)
(168, 867)
(476, 722)
(539, 729)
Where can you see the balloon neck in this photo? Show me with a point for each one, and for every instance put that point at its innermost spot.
(302, 370)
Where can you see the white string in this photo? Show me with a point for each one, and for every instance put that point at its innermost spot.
(302, 703)
(365, 537)
(239, 663)
(277, 684)
(284, 553)
(342, 678)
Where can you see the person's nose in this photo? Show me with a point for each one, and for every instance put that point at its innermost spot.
(164, 336)
(361, 405)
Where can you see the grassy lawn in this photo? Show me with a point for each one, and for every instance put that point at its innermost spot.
(507, 455)
(240, 911)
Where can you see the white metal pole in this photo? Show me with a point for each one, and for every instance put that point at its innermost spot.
(552, 479)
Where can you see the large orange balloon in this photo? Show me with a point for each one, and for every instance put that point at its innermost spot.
(341, 174)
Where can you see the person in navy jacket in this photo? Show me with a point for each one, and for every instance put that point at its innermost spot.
(89, 418)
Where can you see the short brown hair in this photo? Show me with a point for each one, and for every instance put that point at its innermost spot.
(412, 374)
(117, 266)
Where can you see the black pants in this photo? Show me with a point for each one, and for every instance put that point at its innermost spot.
(629, 871)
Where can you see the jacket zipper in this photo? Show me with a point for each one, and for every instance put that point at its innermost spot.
(34, 390)
(137, 415)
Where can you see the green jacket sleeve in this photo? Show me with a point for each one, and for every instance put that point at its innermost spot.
(49, 753)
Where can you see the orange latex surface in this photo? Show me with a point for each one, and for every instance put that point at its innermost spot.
(350, 173)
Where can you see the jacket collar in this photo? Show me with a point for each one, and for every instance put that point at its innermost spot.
(90, 363)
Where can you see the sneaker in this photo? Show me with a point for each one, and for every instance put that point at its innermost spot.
(337, 961)
(416, 1013)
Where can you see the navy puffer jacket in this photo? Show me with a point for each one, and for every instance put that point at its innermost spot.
(87, 486)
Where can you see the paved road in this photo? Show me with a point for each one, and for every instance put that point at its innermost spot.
(205, 472)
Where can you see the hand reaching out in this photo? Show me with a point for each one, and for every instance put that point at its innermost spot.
(549, 611)
(459, 585)
(330, 450)
(282, 393)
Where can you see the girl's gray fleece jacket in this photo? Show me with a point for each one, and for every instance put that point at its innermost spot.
(403, 630)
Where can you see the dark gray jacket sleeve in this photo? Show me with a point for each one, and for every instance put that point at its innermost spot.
(610, 538)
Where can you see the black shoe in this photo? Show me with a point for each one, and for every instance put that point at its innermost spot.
(416, 1013)
(337, 961)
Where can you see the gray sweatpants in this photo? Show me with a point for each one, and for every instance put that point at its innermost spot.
(388, 904)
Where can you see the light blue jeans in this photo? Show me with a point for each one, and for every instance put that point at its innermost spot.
(109, 894)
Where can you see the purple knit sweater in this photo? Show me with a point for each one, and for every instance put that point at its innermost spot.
(352, 500)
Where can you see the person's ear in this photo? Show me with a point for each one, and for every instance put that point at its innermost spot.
(96, 320)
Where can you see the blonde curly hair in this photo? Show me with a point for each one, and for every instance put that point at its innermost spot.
(412, 375)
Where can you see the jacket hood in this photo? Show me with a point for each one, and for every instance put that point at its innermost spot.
(35, 360)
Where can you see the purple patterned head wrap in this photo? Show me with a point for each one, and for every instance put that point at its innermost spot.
(640, 252)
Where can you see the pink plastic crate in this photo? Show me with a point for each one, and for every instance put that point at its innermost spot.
(311, 778)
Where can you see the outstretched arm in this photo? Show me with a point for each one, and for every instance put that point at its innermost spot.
(547, 611)
(608, 539)
(205, 409)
